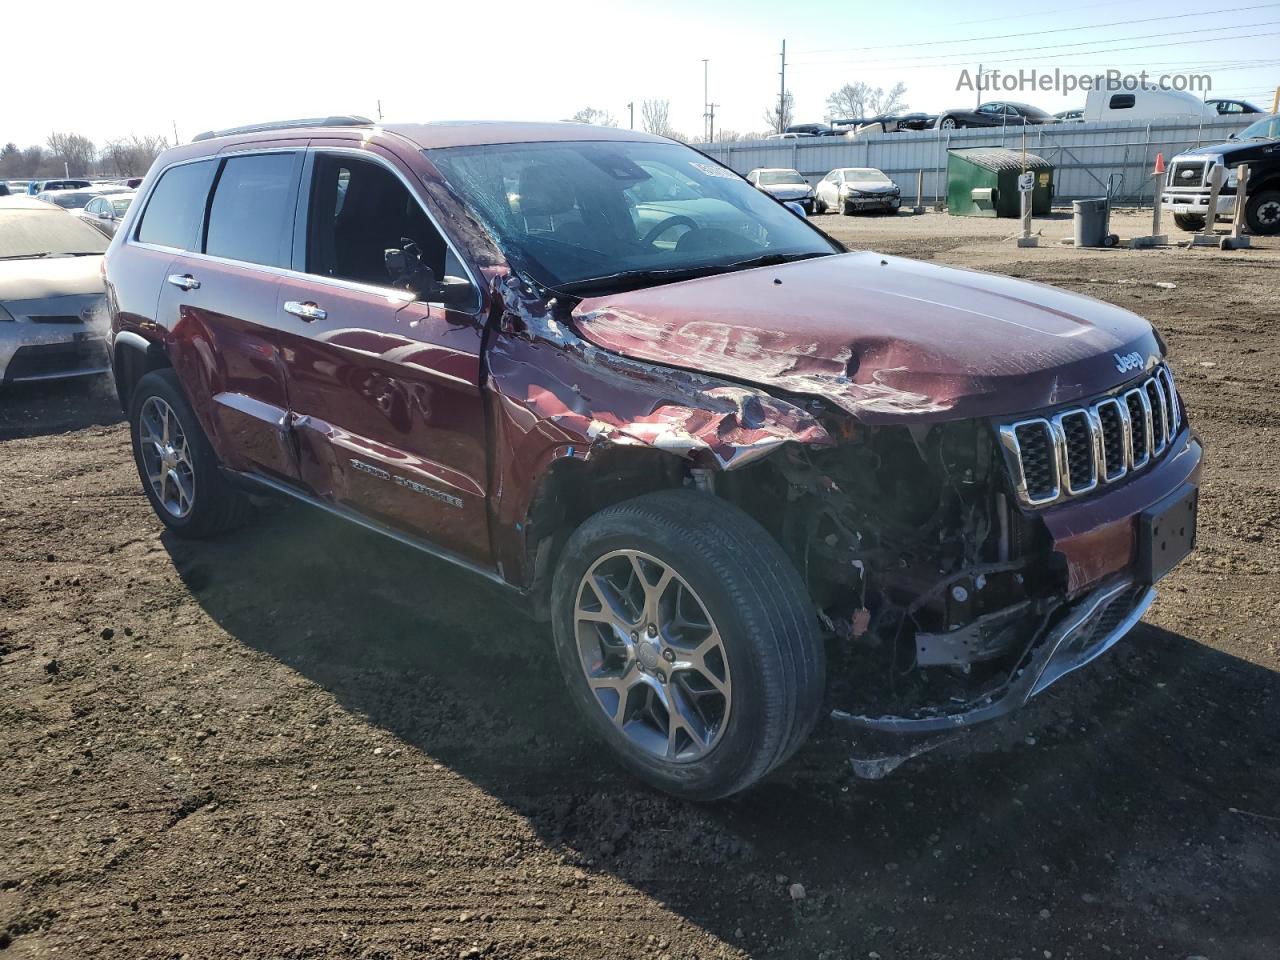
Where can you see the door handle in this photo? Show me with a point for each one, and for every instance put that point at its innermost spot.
(307, 311)
(184, 280)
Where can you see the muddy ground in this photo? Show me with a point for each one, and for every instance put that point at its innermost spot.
(303, 741)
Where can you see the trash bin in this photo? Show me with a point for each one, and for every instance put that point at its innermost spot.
(1090, 221)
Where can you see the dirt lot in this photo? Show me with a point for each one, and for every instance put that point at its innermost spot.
(303, 741)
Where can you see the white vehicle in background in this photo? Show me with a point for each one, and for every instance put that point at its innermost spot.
(784, 184)
(853, 189)
(1146, 103)
(51, 290)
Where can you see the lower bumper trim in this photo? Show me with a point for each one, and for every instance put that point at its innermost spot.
(1090, 628)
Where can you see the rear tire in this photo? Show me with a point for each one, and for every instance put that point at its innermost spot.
(628, 634)
(177, 465)
(1189, 222)
(1263, 213)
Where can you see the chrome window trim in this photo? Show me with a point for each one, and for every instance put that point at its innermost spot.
(287, 273)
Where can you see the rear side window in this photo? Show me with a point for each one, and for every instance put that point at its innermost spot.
(251, 217)
(176, 206)
(1123, 101)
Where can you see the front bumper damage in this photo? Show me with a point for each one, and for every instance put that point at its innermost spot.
(932, 649)
(1090, 627)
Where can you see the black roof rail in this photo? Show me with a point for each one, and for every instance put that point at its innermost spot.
(338, 121)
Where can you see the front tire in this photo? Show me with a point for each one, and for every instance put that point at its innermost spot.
(688, 642)
(177, 465)
(1189, 222)
(948, 123)
(1263, 213)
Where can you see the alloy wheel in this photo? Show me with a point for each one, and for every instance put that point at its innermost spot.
(1269, 213)
(652, 656)
(166, 456)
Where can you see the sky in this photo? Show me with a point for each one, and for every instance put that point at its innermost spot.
(204, 66)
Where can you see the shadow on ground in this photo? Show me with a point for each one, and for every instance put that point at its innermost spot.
(46, 407)
(1127, 809)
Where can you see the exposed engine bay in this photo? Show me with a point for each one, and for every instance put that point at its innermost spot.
(930, 585)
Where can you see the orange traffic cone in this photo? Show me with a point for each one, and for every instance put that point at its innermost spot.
(1159, 163)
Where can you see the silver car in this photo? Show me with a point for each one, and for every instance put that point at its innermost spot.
(783, 184)
(51, 293)
(105, 213)
(857, 189)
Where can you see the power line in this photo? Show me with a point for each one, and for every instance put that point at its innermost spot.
(1037, 33)
(1023, 16)
(970, 57)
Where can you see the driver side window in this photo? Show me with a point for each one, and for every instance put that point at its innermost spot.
(358, 211)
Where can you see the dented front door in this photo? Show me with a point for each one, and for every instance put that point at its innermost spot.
(387, 411)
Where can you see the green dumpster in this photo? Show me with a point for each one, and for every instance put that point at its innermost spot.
(983, 182)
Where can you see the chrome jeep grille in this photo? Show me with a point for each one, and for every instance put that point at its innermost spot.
(1075, 451)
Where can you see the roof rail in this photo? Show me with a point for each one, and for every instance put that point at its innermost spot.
(338, 121)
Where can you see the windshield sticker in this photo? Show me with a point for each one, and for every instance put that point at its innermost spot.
(713, 170)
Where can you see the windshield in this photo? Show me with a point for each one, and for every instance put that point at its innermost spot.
(38, 233)
(606, 214)
(772, 177)
(873, 176)
(1268, 129)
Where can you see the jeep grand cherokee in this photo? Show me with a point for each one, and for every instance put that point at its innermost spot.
(746, 476)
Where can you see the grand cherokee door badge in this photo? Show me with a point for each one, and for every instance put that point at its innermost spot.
(408, 484)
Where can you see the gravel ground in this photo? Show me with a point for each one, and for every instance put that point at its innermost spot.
(303, 741)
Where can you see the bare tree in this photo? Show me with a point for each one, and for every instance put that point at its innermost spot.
(858, 99)
(600, 118)
(33, 159)
(655, 117)
(131, 157)
(779, 116)
(74, 151)
(11, 160)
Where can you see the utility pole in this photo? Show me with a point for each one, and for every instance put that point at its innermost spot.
(711, 110)
(782, 91)
(379, 111)
(176, 141)
(706, 98)
(632, 107)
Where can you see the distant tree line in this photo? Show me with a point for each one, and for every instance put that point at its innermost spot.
(72, 154)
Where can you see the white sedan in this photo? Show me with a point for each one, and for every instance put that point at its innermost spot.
(854, 189)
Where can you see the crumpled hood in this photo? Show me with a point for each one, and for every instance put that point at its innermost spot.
(53, 277)
(884, 338)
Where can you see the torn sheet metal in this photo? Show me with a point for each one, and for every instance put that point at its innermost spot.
(556, 383)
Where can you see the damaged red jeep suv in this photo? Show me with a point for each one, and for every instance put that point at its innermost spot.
(749, 478)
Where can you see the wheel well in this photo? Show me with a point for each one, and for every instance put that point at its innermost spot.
(134, 358)
(1271, 183)
(573, 490)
